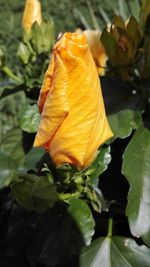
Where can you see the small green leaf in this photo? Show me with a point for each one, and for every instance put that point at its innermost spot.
(109, 44)
(133, 29)
(100, 164)
(93, 194)
(32, 158)
(42, 37)
(29, 118)
(123, 122)
(34, 193)
(82, 215)
(23, 53)
(118, 21)
(115, 252)
(136, 168)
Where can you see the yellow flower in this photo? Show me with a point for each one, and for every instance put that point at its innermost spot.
(31, 14)
(73, 121)
(97, 49)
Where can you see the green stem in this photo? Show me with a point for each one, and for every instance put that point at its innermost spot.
(11, 74)
(67, 196)
(110, 227)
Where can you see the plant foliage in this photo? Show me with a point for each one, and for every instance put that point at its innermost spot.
(63, 215)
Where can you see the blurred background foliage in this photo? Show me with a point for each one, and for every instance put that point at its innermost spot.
(73, 14)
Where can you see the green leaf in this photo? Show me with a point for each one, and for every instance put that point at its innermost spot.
(29, 118)
(8, 168)
(115, 252)
(100, 164)
(32, 158)
(34, 193)
(123, 122)
(118, 21)
(82, 215)
(109, 44)
(136, 168)
(10, 107)
(11, 156)
(11, 144)
(133, 29)
(23, 53)
(94, 196)
(42, 37)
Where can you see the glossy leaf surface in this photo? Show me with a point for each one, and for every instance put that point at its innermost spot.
(115, 252)
(136, 168)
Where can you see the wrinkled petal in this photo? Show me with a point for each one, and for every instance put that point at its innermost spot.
(73, 121)
(97, 49)
(31, 14)
(46, 85)
(56, 105)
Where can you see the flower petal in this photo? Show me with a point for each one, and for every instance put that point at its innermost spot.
(32, 13)
(56, 106)
(46, 86)
(97, 49)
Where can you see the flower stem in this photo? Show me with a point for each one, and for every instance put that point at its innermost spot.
(110, 227)
(11, 74)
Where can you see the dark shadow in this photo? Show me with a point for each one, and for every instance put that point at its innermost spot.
(29, 239)
(119, 95)
(112, 182)
(27, 141)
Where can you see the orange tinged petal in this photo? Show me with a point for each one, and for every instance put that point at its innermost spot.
(46, 85)
(31, 14)
(55, 105)
(73, 121)
(97, 49)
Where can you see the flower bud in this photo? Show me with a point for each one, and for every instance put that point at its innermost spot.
(121, 42)
(73, 121)
(31, 14)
